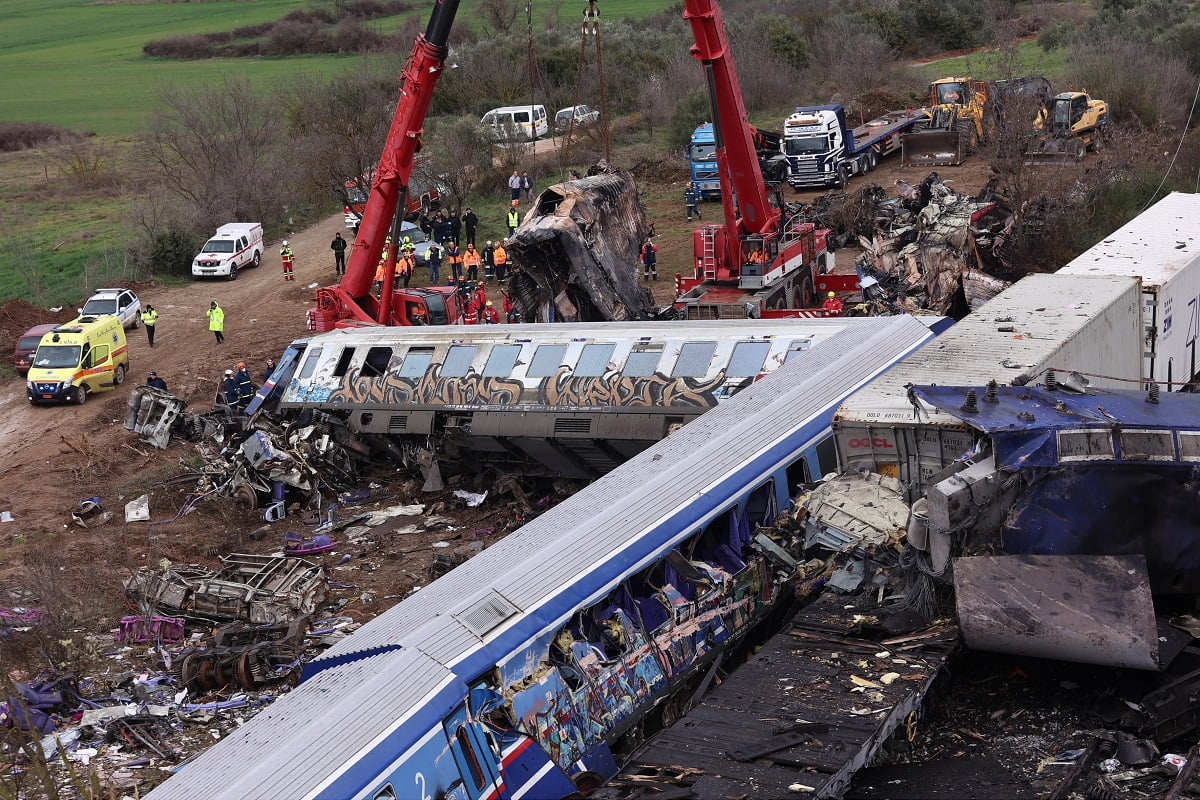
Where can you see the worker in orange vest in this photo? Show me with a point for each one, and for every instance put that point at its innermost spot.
(500, 259)
(471, 260)
(832, 305)
(454, 260)
(404, 268)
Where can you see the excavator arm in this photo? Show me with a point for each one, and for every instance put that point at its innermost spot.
(351, 298)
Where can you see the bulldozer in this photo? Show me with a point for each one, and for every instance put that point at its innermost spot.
(1069, 125)
(961, 114)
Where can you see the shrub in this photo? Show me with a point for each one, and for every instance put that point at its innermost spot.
(171, 252)
(23, 135)
(690, 110)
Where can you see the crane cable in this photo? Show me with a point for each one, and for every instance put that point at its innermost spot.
(591, 20)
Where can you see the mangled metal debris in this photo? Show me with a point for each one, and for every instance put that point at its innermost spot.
(576, 252)
(153, 414)
(251, 588)
(248, 656)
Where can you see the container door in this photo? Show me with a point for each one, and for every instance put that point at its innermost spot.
(478, 763)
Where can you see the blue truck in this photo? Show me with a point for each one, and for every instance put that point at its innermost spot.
(702, 159)
(822, 149)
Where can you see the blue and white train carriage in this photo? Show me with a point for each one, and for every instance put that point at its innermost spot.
(518, 673)
(576, 399)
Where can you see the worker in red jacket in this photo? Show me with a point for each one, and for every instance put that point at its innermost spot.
(832, 305)
(510, 309)
(490, 315)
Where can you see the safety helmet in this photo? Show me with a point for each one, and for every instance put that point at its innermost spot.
(285, 242)
(228, 373)
(832, 294)
(241, 365)
(407, 240)
(489, 302)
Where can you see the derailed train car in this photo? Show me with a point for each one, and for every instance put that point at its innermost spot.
(525, 671)
(572, 401)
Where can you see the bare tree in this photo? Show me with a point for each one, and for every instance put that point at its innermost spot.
(221, 151)
(460, 159)
(499, 14)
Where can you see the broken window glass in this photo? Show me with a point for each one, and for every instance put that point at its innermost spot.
(377, 361)
(1146, 445)
(546, 360)
(1085, 445)
(501, 361)
(386, 793)
(748, 358)
(641, 363)
(593, 361)
(458, 361)
(416, 361)
(310, 362)
(343, 363)
(694, 359)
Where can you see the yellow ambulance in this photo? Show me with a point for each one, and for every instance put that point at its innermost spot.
(87, 354)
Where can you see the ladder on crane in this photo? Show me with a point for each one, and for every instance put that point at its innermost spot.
(708, 252)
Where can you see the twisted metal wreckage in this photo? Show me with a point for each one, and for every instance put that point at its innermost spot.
(928, 249)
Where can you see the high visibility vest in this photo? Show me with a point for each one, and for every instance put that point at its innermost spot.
(149, 318)
(216, 319)
(499, 256)
(455, 257)
(514, 219)
(471, 258)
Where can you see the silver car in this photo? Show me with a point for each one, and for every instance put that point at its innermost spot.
(121, 303)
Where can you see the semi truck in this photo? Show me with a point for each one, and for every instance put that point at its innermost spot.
(823, 150)
(1087, 324)
(1161, 247)
(702, 159)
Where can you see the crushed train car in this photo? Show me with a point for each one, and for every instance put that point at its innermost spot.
(251, 588)
(575, 255)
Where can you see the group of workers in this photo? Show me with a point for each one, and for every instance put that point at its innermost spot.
(237, 389)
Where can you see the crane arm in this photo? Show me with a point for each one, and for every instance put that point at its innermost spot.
(390, 182)
(732, 132)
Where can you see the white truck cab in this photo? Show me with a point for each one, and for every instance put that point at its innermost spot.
(233, 246)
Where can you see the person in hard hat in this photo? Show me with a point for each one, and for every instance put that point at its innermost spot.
(500, 260)
(490, 315)
(832, 305)
(229, 388)
(216, 321)
(287, 258)
(488, 259)
(245, 386)
(153, 381)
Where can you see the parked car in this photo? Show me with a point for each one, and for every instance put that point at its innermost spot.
(27, 344)
(121, 303)
(419, 238)
(583, 115)
(513, 123)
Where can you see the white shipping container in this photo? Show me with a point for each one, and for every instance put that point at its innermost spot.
(1162, 247)
(1087, 324)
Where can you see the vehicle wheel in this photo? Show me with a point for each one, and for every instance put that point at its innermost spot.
(233, 271)
(137, 321)
(807, 294)
(842, 177)
(119, 374)
(873, 161)
(1077, 149)
(257, 258)
(968, 136)
(1098, 140)
(81, 395)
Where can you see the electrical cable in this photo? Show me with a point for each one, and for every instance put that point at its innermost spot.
(1178, 147)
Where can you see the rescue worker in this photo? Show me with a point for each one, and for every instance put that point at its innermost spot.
(514, 218)
(245, 386)
(500, 259)
(832, 305)
(404, 268)
(454, 260)
(470, 224)
(471, 261)
(229, 389)
(490, 315)
(418, 316)
(338, 246)
(691, 199)
(510, 309)
(480, 298)
(488, 259)
(649, 261)
(287, 259)
(433, 260)
(149, 319)
(268, 370)
(156, 382)
(380, 269)
(408, 248)
(216, 321)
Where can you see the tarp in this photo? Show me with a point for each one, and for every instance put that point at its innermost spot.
(1032, 426)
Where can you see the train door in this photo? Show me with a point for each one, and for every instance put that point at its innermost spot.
(478, 763)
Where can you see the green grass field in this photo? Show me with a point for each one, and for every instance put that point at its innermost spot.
(79, 63)
(985, 65)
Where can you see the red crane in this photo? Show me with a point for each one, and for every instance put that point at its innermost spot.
(760, 262)
(350, 302)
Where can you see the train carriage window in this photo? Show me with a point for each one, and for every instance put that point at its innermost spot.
(826, 456)
(376, 362)
(343, 363)
(797, 347)
(643, 362)
(694, 360)
(469, 756)
(501, 361)
(458, 361)
(593, 361)
(386, 793)
(416, 361)
(747, 358)
(310, 362)
(546, 360)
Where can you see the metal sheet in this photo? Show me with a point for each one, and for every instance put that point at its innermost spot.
(1090, 609)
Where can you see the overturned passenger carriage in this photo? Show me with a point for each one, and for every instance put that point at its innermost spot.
(571, 401)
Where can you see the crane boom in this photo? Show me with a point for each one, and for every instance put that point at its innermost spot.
(737, 158)
(351, 298)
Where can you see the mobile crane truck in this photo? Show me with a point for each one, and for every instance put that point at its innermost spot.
(350, 303)
(762, 261)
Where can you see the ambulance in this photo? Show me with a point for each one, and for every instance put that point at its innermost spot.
(87, 354)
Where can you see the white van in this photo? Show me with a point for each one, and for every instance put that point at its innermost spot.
(514, 122)
(233, 246)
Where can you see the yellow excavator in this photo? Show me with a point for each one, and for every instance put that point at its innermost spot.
(960, 116)
(1071, 124)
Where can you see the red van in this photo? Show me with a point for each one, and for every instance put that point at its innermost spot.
(27, 344)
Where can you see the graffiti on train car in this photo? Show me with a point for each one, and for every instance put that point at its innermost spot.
(562, 389)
